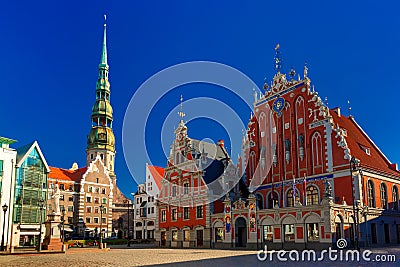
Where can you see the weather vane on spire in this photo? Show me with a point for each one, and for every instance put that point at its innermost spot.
(181, 113)
(105, 20)
(349, 107)
(278, 59)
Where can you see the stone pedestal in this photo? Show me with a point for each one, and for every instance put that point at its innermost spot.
(52, 240)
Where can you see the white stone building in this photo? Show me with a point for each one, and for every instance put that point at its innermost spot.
(145, 210)
(7, 176)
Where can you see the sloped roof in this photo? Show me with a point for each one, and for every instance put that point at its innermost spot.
(23, 152)
(212, 150)
(358, 140)
(67, 175)
(157, 173)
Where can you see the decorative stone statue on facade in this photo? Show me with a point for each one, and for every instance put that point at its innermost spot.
(328, 189)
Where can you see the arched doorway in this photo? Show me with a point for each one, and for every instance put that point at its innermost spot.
(240, 232)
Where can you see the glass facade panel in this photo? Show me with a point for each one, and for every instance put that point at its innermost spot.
(31, 179)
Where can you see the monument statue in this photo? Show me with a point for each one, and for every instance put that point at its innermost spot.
(56, 200)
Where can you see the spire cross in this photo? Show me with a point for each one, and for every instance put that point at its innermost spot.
(181, 113)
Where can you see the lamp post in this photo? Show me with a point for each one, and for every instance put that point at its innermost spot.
(129, 233)
(63, 223)
(101, 226)
(133, 217)
(5, 207)
(41, 203)
(353, 172)
(365, 213)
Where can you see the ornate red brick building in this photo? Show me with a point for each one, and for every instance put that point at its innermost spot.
(306, 167)
(190, 190)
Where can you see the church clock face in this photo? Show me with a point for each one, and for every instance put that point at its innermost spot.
(278, 106)
(179, 137)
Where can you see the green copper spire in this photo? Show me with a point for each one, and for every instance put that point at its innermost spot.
(103, 61)
(101, 135)
(104, 52)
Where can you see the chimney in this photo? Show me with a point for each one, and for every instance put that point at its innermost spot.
(394, 166)
(221, 143)
(337, 111)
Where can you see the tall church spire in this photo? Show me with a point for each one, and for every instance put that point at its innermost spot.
(104, 52)
(101, 140)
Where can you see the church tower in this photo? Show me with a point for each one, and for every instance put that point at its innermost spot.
(101, 140)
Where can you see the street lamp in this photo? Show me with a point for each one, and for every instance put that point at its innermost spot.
(101, 226)
(129, 238)
(364, 211)
(5, 207)
(133, 219)
(353, 172)
(41, 203)
(63, 223)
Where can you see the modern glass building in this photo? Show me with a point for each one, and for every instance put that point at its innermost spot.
(30, 189)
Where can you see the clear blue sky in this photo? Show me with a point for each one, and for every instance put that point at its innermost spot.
(50, 51)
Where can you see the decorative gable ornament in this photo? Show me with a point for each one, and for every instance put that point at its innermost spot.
(239, 204)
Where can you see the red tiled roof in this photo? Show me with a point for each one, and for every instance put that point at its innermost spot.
(358, 141)
(157, 173)
(68, 175)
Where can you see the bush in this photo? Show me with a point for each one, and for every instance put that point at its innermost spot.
(82, 243)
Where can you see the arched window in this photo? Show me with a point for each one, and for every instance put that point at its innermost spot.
(260, 202)
(262, 143)
(273, 200)
(312, 195)
(371, 194)
(383, 196)
(290, 199)
(316, 150)
(252, 164)
(395, 198)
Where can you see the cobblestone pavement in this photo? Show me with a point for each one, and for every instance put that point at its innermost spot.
(172, 257)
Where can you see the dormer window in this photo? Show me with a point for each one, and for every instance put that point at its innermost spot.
(366, 149)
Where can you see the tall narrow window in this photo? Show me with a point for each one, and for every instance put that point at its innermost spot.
(252, 164)
(395, 198)
(383, 196)
(174, 190)
(312, 195)
(174, 214)
(163, 215)
(186, 213)
(199, 212)
(371, 194)
(290, 198)
(260, 201)
(316, 150)
(186, 188)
